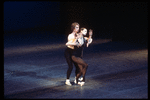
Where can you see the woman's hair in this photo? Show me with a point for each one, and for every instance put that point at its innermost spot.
(82, 29)
(73, 25)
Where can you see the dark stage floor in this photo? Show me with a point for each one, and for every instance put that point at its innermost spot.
(37, 69)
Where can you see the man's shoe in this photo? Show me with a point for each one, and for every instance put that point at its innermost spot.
(68, 82)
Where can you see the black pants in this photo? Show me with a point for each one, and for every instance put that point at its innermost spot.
(68, 54)
(82, 67)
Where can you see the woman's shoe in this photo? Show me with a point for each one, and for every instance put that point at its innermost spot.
(80, 79)
(81, 83)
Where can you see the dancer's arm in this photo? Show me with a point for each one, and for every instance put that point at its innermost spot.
(89, 39)
(72, 41)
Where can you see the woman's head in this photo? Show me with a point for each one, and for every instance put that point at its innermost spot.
(75, 27)
(83, 31)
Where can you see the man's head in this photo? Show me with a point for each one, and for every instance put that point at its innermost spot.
(75, 27)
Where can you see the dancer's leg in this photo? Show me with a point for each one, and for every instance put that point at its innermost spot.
(80, 61)
(77, 68)
(82, 66)
(68, 54)
(84, 72)
(79, 72)
(69, 62)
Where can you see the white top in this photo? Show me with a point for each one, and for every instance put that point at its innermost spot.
(81, 41)
(72, 39)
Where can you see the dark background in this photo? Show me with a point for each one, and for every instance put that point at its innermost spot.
(121, 21)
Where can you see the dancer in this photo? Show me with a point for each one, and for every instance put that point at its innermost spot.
(69, 50)
(77, 55)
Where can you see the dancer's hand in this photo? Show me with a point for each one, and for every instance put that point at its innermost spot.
(79, 45)
(78, 36)
(90, 32)
(87, 45)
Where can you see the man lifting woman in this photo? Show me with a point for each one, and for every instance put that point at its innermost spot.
(74, 52)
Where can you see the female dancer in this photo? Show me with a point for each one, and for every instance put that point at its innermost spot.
(69, 50)
(77, 55)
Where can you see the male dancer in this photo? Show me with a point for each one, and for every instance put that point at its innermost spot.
(69, 50)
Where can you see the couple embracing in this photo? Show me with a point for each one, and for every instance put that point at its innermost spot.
(74, 53)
